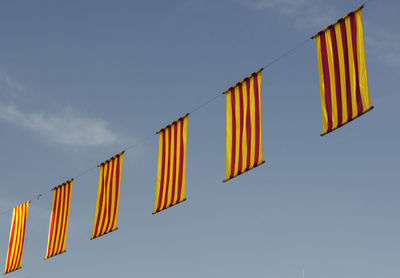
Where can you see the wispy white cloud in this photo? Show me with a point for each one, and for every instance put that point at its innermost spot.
(66, 127)
(305, 13)
(8, 85)
(385, 46)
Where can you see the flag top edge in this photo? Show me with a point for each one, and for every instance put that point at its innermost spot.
(111, 158)
(174, 122)
(244, 79)
(64, 183)
(337, 21)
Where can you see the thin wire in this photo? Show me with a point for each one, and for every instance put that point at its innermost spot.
(273, 61)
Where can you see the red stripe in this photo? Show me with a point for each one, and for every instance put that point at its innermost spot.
(162, 172)
(107, 206)
(118, 177)
(10, 260)
(174, 168)
(346, 69)
(100, 202)
(327, 82)
(241, 127)
(233, 153)
(337, 76)
(23, 232)
(248, 125)
(52, 223)
(354, 40)
(181, 162)
(61, 235)
(110, 195)
(59, 198)
(168, 169)
(257, 119)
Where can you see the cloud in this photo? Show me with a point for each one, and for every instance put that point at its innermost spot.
(8, 85)
(65, 128)
(305, 13)
(385, 46)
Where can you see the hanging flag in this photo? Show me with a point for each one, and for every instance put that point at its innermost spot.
(59, 219)
(171, 169)
(106, 215)
(17, 237)
(342, 72)
(243, 126)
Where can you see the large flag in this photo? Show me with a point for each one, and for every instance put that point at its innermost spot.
(106, 215)
(342, 72)
(59, 219)
(243, 126)
(17, 237)
(171, 169)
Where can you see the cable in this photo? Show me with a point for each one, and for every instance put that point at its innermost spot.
(273, 61)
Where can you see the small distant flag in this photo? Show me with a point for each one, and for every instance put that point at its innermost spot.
(59, 219)
(106, 214)
(342, 72)
(243, 126)
(171, 169)
(17, 237)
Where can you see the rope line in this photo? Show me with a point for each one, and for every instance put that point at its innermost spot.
(201, 106)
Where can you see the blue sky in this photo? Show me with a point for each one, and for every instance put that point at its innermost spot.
(81, 80)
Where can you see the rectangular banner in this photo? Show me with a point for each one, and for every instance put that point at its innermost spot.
(171, 169)
(342, 72)
(59, 219)
(17, 237)
(106, 214)
(243, 126)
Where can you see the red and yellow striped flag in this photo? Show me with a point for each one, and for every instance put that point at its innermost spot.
(243, 126)
(342, 72)
(17, 237)
(106, 215)
(171, 169)
(59, 219)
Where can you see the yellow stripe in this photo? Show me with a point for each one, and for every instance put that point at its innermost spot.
(351, 67)
(166, 172)
(159, 167)
(260, 153)
(23, 226)
(244, 140)
(178, 160)
(342, 72)
(121, 158)
(171, 165)
(252, 122)
(97, 201)
(322, 86)
(329, 51)
(237, 120)
(63, 248)
(183, 190)
(228, 134)
(362, 68)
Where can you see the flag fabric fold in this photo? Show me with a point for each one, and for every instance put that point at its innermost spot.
(57, 238)
(17, 238)
(171, 166)
(342, 72)
(106, 213)
(243, 126)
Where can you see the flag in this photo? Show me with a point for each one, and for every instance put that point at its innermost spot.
(243, 126)
(17, 237)
(59, 219)
(342, 72)
(171, 169)
(106, 214)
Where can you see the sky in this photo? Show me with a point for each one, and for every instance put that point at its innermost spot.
(82, 80)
